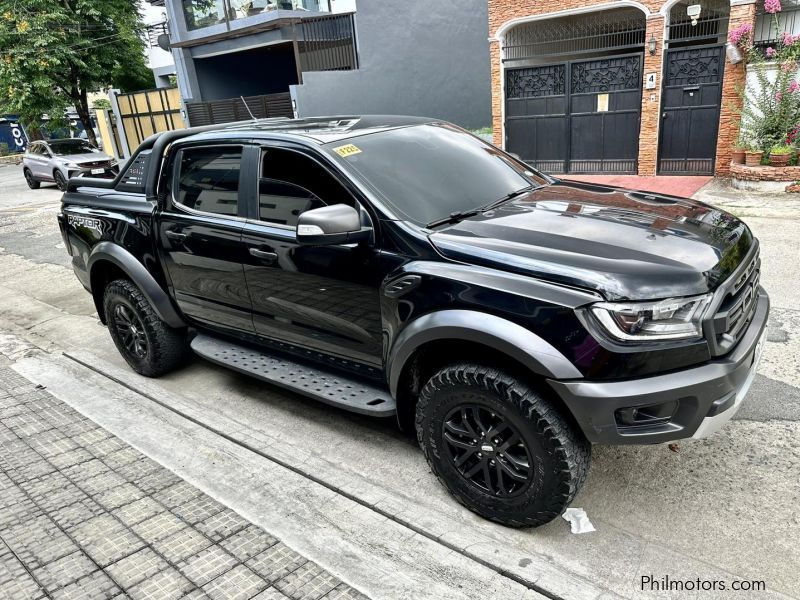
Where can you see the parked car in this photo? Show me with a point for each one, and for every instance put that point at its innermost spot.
(58, 160)
(397, 266)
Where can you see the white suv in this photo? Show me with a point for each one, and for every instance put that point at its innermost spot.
(58, 160)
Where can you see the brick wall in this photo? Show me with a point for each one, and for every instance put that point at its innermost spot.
(651, 100)
(745, 173)
(502, 11)
(733, 80)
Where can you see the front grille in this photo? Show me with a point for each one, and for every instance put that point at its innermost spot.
(735, 311)
(96, 164)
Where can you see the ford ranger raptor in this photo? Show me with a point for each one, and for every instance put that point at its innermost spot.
(398, 266)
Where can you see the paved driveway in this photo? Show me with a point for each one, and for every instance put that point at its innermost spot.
(722, 509)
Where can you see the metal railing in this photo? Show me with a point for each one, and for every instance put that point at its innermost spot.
(608, 30)
(234, 109)
(713, 28)
(788, 20)
(328, 43)
(155, 30)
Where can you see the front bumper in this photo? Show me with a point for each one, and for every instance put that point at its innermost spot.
(107, 172)
(704, 398)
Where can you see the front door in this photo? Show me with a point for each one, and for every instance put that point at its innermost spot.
(200, 236)
(309, 298)
(691, 105)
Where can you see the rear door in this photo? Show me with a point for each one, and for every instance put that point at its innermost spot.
(200, 235)
(36, 160)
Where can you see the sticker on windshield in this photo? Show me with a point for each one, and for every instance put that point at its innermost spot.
(348, 150)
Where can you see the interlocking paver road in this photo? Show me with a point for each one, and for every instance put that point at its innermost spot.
(84, 515)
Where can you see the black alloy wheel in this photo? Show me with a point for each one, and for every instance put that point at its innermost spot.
(131, 331)
(61, 181)
(487, 450)
(150, 346)
(502, 447)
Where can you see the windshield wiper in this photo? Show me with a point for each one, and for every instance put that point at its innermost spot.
(455, 217)
(508, 197)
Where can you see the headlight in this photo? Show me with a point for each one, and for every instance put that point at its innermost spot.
(672, 319)
(70, 165)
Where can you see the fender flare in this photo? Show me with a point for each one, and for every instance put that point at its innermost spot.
(127, 262)
(498, 333)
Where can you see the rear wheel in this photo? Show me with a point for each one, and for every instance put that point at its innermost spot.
(29, 179)
(61, 181)
(150, 346)
(502, 449)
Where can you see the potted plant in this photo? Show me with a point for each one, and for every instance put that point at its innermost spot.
(780, 155)
(739, 150)
(752, 157)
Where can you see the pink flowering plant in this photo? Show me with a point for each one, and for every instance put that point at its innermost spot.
(742, 36)
(770, 117)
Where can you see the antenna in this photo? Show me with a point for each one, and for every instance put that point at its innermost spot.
(252, 116)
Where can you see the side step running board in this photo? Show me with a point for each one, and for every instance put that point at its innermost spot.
(312, 381)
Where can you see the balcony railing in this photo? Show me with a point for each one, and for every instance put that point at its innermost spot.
(205, 13)
(328, 43)
(788, 20)
(155, 30)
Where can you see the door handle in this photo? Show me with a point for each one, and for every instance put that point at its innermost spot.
(263, 254)
(176, 236)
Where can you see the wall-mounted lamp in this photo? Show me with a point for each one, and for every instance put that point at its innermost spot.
(693, 12)
(652, 45)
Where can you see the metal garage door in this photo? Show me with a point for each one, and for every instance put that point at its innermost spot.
(576, 117)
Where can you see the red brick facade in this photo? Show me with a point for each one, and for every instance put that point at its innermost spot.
(502, 12)
(733, 81)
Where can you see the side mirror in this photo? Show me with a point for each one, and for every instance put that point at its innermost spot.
(336, 224)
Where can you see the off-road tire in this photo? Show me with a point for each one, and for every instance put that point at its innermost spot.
(558, 450)
(167, 348)
(30, 180)
(61, 181)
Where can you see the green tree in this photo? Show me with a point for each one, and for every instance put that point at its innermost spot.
(52, 53)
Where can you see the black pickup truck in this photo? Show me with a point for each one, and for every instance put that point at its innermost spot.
(401, 266)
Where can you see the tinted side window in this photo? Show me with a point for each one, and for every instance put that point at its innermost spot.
(209, 179)
(291, 184)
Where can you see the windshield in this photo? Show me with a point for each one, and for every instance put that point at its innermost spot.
(67, 147)
(428, 172)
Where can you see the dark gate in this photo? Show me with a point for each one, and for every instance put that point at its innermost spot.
(576, 117)
(691, 105)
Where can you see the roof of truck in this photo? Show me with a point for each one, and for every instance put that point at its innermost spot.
(319, 129)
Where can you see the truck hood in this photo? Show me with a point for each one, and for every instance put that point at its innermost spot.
(621, 243)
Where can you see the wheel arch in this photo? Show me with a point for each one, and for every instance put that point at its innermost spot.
(109, 261)
(436, 339)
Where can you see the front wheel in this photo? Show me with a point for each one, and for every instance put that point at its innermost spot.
(29, 179)
(61, 181)
(502, 449)
(150, 346)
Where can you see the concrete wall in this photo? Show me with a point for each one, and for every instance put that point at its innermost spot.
(416, 58)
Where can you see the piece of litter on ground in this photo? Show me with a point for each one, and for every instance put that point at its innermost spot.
(578, 520)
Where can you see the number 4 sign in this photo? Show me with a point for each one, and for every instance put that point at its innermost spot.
(650, 81)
